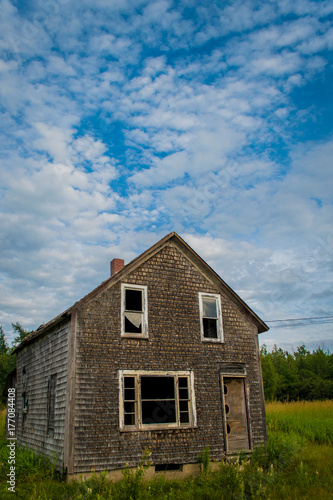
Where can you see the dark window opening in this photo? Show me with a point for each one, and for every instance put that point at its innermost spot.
(133, 322)
(51, 393)
(133, 311)
(167, 467)
(158, 403)
(210, 328)
(133, 300)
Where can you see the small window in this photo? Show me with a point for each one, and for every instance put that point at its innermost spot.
(51, 393)
(134, 311)
(210, 317)
(25, 408)
(156, 399)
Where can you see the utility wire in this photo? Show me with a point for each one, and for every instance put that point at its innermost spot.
(299, 322)
(297, 319)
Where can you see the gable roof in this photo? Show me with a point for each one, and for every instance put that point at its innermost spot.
(193, 257)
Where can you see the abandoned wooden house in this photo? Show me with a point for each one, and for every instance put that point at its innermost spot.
(162, 355)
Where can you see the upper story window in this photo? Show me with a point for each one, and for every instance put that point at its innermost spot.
(210, 317)
(134, 315)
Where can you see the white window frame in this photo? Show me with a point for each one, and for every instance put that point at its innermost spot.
(138, 413)
(143, 289)
(219, 326)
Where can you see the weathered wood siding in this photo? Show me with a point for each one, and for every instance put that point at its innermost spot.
(174, 343)
(36, 363)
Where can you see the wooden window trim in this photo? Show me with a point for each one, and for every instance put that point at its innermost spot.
(143, 289)
(220, 336)
(139, 426)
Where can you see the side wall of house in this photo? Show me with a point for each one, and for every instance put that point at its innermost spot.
(174, 343)
(45, 357)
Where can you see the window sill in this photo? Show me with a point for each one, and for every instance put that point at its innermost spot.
(214, 341)
(134, 336)
(158, 427)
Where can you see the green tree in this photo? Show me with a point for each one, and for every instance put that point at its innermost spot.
(269, 374)
(303, 375)
(7, 358)
(7, 363)
(21, 334)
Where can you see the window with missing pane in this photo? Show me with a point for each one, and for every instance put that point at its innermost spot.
(134, 311)
(156, 400)
(210, 317)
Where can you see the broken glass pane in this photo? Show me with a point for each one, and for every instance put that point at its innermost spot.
(210, 328)
(157, 387)
(133, 300)
(158, 400)
(133, 322)
(159, 412)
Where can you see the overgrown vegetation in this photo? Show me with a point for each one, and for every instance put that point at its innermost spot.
(297, 462)
(7, 359)
(303, 375)
(311, 421)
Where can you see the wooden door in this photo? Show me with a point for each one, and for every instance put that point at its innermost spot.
(235, 414)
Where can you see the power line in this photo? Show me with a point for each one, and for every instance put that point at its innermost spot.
(300, 322)
(297, 319)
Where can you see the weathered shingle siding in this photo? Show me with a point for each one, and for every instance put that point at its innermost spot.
(174, 344)
(41, 359)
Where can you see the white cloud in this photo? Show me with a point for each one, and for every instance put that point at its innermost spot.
(124, 120)
(54, 141)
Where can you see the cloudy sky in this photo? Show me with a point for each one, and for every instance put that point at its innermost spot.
(124, 120)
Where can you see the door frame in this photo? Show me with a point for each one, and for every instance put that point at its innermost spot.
(224, 417)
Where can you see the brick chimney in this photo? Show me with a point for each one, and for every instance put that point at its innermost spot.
(116, 265)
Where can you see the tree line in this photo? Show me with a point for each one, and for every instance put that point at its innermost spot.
(303, 375)
(7, 358)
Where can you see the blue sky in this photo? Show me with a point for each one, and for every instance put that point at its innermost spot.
(123, 120)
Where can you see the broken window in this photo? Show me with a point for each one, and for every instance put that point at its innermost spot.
(210, 317)
(51, 393)
(134, 310)
(156, 399)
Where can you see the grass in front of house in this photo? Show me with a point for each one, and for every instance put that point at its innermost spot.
(297, 462)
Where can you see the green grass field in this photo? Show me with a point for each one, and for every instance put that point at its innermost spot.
(296, 463)
(312, 421)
